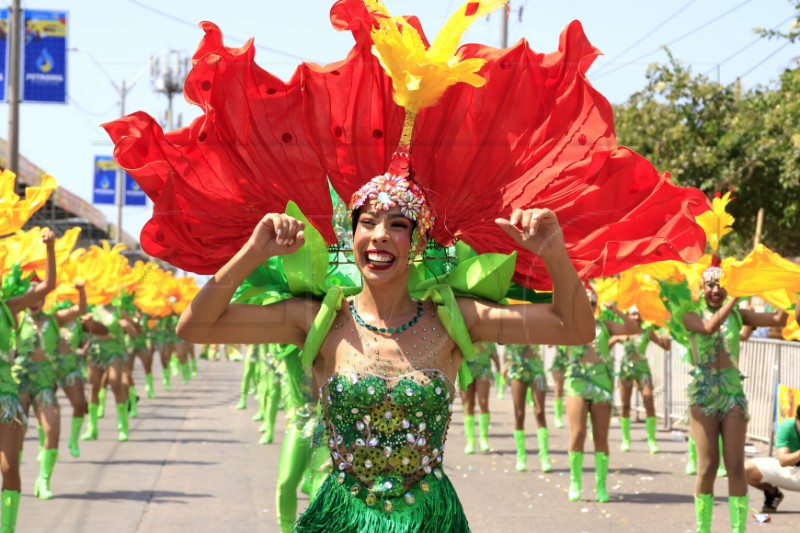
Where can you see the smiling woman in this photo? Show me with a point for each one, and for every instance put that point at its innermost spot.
(490, 169)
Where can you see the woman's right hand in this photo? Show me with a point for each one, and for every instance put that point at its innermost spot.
(277, 234)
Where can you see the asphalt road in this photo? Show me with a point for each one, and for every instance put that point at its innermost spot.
(193, 464)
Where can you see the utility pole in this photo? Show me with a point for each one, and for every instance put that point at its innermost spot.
(504, 34)
(14, 41)
(123, 92)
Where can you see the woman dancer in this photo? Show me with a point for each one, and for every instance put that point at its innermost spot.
(12, 412)
(589, 389)
(36, 370)
(524, 368)
(71, 362)
(385, 360)
(108, 327)
(481, 369)
(718, 406)
(635, 369)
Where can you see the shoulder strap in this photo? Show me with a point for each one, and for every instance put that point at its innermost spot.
(322, 324)
(453, 321)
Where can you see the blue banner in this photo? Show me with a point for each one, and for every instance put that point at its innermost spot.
(105, 180)
(3, 52)
(44, 64)
(134, 195)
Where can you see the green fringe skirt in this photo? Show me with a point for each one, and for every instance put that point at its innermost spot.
(335, 509)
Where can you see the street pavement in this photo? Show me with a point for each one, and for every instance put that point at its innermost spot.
(193, 464)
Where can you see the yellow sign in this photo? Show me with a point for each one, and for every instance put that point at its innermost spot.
(788, 400)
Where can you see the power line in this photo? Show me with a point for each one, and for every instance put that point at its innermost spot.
(757, 39)
(787, 43)
(645, 36)
(226, 36)
(687, 34)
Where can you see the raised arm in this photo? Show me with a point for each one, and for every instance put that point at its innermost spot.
(629, 326)
(66, 316)
(696, 324)
(31, 298)
(770, 320)
(211, 318)
(568, 320)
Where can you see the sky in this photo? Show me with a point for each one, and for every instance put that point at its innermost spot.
(112, 41)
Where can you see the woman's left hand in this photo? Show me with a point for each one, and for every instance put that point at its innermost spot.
(536, 230)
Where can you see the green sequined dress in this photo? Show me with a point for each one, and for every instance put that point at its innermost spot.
(481, 366)
(526, 365)
(387, 441)
(634, 366)
(37, 378)
(103, 352)
(717, 390)
(594, 382)
(11, 411)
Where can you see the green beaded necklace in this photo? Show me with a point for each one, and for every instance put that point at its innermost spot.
(376, 329)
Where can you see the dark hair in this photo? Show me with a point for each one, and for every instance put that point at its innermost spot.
(797, 413)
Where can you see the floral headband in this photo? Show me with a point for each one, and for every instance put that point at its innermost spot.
(394, 188)
(714, 272)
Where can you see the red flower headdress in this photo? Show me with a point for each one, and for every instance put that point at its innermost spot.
(536, 134)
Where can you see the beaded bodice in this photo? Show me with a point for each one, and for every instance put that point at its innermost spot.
(39, 331)
(115, 343)
(599, 345)
(387, 435)
(708, 347)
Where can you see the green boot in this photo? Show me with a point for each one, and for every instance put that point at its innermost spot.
(600, 475)
(544, 451)
(529, 397)
(91, 425)
(133, 400)
(165, 379)
(42, 488)
(651, 434)
(10, 504)
(522, 458)
(500, 383)
(483, 432)
(625, 424)
(77, 424)
(558, 409)
(575, 472)
(691, 459)
(148, 385)
(101, 402)
(40, 432)
(174, 366)
(738, 509)
(122, 421)
(703, 507)
(721, 472)
(185, 373)
(193, 362)
(469, 434)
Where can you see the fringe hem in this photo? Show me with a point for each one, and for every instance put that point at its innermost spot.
(335, 509)
(11, 411)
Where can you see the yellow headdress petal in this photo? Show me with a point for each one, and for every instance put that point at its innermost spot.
(717, 222)
(14, 213)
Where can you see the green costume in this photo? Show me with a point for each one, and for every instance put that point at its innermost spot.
(481, 366)
(37, 379)
(560, 361)
(525, 364)
(11, 411)
(717, 390)
(592, 382)
(634, 366)
(69, 365)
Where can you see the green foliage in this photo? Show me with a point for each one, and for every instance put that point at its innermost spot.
(714, 137)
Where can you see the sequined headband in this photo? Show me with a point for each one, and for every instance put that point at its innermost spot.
(387, 191)
(712, 273)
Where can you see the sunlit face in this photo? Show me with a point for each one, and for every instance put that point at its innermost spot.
(37, 306)
(714, 294)
(381, 244)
